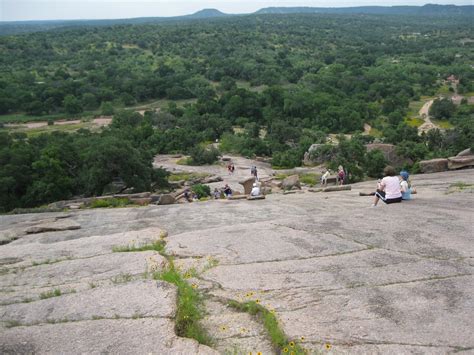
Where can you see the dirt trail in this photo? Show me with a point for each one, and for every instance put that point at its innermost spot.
(424, 114)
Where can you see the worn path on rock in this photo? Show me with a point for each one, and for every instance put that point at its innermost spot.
(391, 279)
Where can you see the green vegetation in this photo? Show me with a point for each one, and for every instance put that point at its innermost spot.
(122, 278)
(189, 311)
(285, 81)
(53, 293)
(281, 343)
(201, 190)
(110, 202)
(157, 245)
(173, 177)
(310, 179)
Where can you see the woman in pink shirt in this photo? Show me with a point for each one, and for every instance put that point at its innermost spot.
(389, 188)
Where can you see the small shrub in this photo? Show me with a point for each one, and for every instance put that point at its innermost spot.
(157, 245)
(53, 293)
(110, 202)
(201, 190)
(202, 156)
(309, 179)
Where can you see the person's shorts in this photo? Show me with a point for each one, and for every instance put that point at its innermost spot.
(381, 194)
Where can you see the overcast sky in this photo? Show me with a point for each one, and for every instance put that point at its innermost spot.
(20, 10)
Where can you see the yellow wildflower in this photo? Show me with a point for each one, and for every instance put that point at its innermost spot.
(292, 344)
(285, 350)
(328, 346)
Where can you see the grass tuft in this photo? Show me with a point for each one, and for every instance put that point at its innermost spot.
(110, 202)
(189, 310)
(49, 294)
(270, 322)
(157, 245)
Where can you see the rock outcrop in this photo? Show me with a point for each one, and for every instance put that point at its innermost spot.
(247, 184)
(434, 165)
(291, 182)
(459, 162)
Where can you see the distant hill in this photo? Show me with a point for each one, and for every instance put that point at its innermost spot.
(18, 27)
(425, 10)
(207, 13)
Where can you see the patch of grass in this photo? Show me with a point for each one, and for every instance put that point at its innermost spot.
(49, 294)
(310, 179)
(122, 278)
(157, 245)
(11, 323)
(444, 124)
(112, 202)
(459, 187)
(47, 262)
(279, 340)
(43, 209)
(184, 161)
(190, 308)
(281, 176)
(414, 121)
(186, 176)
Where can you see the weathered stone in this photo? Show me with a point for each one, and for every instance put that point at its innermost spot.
(291, 182)
(247, 184)
(317, 155)
(226, 159)
(53, 226)
(141, 201)
(337, 188)
(211, 179)
(460, 162)
(107, 336)
(465, 152)
(434, 165)
(167, 199)
(237, 197)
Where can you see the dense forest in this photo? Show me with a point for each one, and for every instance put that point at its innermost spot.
(286, 80)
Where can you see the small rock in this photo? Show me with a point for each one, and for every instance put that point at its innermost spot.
(434, 165)
(291, 182)
(167, 199)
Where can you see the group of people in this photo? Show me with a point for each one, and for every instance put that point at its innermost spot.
(340, 177)
(393, 188)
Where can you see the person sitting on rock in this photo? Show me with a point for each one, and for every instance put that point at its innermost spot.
(187, 195)
(405, 186)
(255, 190)
(217, 193)
(388, 189)
(227, 191)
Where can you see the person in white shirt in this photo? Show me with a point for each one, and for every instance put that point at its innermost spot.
(388, 189)
(255, 190)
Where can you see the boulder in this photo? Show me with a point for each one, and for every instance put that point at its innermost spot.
(434, 165)
(465, 152)
(247, 184)
(226, 159)
(211, 179)
(291, 182)
(389, 153)
(166, 199)
(459, 162)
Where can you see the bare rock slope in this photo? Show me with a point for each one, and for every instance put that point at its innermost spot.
(338, 274)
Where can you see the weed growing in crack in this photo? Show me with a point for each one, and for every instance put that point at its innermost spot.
(189, 310)
(53, 293)
(157, 245)
(122, 278)
(12, 323)
(270, 322)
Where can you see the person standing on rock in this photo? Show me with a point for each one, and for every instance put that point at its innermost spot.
(388, 190)
(340, 175)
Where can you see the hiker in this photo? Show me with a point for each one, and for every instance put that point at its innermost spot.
(388, 189)
(255, 190)
(341, 175)
(217, 193)
(227, 191)
(187, 195)
(232, 168)
(254, 172)
(229, 168)
(324, 178)
(405, 186)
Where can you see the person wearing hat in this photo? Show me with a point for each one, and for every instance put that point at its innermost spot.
(405, 185)
(255, 190)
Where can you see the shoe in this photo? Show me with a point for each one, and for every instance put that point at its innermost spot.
(373, 205)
